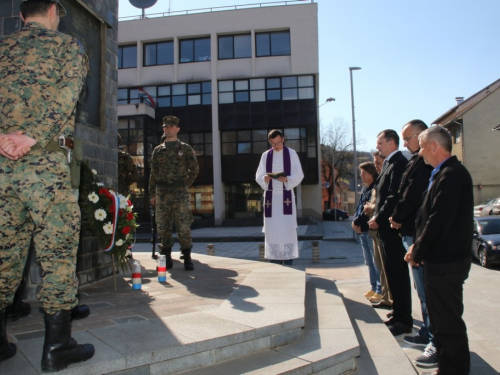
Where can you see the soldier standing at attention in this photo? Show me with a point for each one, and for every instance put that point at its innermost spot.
(174, 168)
(127, 170)
(42, 72)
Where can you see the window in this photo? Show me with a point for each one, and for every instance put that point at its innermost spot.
(273, 44)
(200, 142)
(193, 50)
(457, 136)
(161, 53)
(178, 95)
(235, 46)
(270, 89)
(127, 57)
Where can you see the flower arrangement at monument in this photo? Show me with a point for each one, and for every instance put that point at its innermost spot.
(109, 216)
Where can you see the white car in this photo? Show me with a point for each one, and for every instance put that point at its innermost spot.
(492, 207)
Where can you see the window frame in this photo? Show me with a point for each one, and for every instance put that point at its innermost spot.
(120, 56)
(145, 45)
(193, 40)
(270, 43)
(233, 46)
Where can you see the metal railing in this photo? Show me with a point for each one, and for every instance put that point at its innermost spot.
(215, 9)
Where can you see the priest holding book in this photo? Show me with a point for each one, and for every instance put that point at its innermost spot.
(278, 174)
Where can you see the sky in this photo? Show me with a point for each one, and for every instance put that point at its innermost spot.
(415, 57)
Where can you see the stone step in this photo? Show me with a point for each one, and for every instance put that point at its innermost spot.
(328, 346)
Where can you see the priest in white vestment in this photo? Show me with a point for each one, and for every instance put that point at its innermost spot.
(280, 211)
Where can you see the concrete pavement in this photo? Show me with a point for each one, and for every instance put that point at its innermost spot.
(213, 284)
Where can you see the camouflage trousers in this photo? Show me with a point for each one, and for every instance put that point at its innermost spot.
(37, 202)
(173, 206)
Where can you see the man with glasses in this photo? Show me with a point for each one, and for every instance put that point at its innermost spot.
(278, 174)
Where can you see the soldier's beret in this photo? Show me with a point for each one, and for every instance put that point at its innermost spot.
(62, 10)
(170, 121)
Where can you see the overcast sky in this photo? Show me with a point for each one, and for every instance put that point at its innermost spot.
(416, 56)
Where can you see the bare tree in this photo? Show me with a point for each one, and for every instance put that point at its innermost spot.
(337, 155)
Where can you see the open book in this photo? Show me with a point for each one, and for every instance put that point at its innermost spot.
(276, 175)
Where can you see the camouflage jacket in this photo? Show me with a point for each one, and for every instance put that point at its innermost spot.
(42, 73)
(172, 168)
(127, 172)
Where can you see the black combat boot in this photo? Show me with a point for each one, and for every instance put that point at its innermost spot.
(167, 251)
(17, 310)
(7, 349)
(188, 265)
(59, 349)
(80, 312)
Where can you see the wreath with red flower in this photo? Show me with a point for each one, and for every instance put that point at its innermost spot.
(109, 217)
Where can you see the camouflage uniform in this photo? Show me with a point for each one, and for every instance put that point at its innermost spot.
(127, 172)
(174, 168)
(42, 72)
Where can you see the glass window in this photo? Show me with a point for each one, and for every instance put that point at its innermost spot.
(225, 86)
(287, 82)
(229, 149)
(244, 148)
(242, 46)
(207, 99)
(306, 81)
(197, 138)
(163, 90)
(258, 96)
(163, 102)
(259, 135)
(127, 57)
(194, 99)
(122, 96)
(179, 101)
(260, 147)
(273, 95)
(273, 44)
(206, 86)
(158, 53)
(229, 136)
(179, 89)
(292, 133)
(290, 94)
(306, 93)
(257, 84)
(241, 85)
(194, 88)
(226, 47)
(202, 49)
(226, 97)
(244, 135)
(241, 96)
(186, 51)
(273, 83)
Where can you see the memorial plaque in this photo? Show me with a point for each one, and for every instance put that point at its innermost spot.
(87, 28)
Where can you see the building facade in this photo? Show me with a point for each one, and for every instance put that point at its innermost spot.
(229, 76)
(471, 123)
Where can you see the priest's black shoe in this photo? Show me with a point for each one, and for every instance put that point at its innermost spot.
(399, 328)
(380, 305)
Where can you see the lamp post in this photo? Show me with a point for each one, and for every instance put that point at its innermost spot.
(354, 140)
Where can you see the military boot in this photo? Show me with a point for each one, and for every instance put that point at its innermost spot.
(7, 349)
(167, 251)
(188, 265)
(59, 349)
(17, 310)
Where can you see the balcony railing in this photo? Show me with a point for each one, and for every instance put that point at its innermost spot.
(215, 9)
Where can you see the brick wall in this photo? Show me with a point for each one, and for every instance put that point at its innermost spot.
(99, 137)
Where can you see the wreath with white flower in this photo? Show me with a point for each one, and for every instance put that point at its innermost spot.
(109, 216)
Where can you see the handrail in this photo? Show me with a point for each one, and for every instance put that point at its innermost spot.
(214, 9)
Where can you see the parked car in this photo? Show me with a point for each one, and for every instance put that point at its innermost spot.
(479, 208)
(329, 214)
(490, 208)
(486, 242)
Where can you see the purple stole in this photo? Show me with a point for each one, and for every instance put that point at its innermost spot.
(287, 194)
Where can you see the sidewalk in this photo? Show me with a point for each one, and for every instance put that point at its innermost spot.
(119, 317)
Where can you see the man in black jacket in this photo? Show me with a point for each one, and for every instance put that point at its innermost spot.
(411, 195)
(387, 186)
(443, 236)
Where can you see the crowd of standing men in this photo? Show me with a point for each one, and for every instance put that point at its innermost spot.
(422, 212)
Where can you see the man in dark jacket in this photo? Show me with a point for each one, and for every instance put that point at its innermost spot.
(387, 186)
(411, 195)
(443, 236)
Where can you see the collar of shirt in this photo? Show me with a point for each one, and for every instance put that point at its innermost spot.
(390, 156)
(434, 172)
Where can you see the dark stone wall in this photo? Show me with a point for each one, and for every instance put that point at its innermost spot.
(99, 136)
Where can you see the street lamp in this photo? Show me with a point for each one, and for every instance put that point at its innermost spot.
(354, 140)
(327, 101)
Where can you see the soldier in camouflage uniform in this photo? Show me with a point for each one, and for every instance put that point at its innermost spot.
(174, 168)
(42, 72)
(127, 170)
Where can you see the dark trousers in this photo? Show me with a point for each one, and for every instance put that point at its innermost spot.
(398, 275)
(444, 288)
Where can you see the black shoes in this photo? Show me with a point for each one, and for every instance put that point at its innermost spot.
(188, 264)
(381, 305)
(7, 349)
(398, 328)
(80, 312)
(60, 349)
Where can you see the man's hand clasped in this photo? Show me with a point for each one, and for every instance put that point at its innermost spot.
(15, 145)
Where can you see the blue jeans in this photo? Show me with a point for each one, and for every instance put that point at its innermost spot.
(419, 284)
(367, 246)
